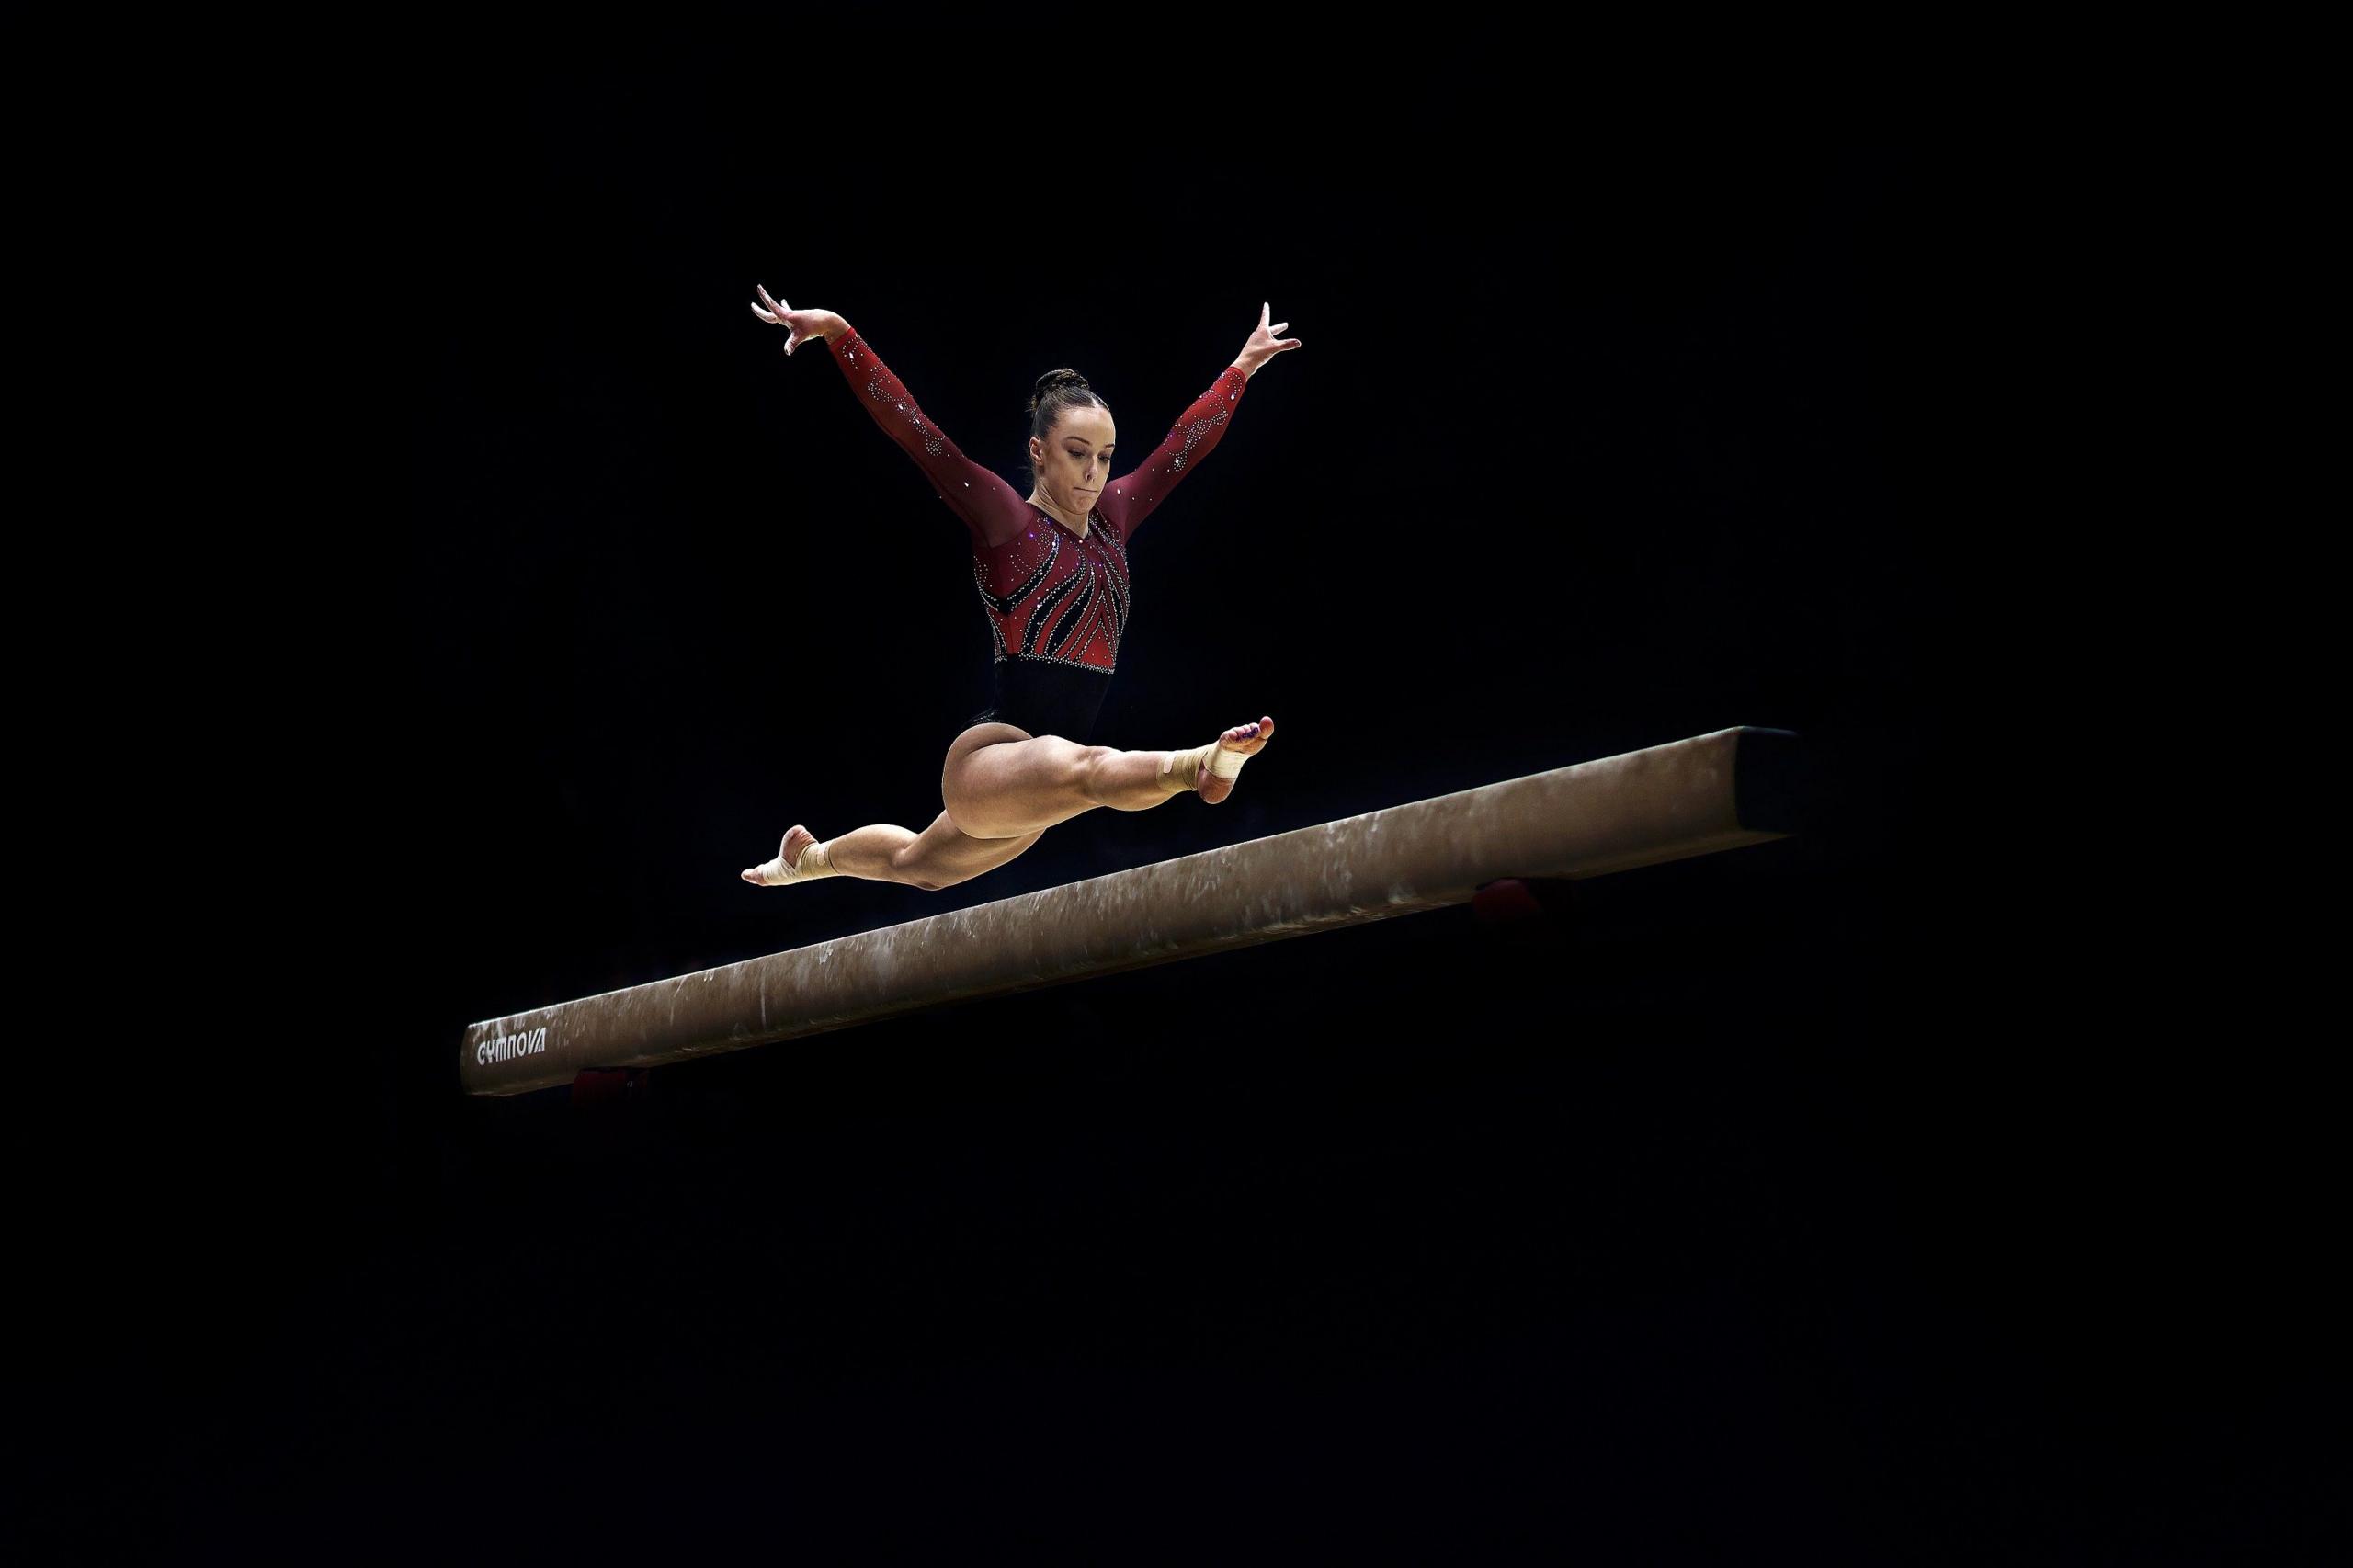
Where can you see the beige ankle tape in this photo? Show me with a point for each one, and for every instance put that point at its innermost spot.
(1184, 764)
(814, 862)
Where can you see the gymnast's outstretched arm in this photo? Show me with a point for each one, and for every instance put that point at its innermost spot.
(990, 508)
(1132, 498)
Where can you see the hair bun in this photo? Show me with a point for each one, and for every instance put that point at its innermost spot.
(1047, 384)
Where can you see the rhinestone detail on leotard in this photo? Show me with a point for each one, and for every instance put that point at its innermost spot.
(1064, 613)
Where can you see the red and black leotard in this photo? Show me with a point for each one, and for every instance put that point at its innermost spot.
(1057, 600)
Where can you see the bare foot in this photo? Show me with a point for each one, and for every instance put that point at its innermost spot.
(798, 839)
(1247, 739)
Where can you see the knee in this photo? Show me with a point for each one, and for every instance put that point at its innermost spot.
(904, 871)
(1087, 771)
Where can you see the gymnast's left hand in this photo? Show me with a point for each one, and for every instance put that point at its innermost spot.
(1264, 345)
(800, 327)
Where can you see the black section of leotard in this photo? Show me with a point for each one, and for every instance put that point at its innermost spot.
(1046, 699)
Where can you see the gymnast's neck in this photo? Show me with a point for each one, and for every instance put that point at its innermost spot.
(1074, 521)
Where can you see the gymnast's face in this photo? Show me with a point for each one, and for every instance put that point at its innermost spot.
(1073, 462)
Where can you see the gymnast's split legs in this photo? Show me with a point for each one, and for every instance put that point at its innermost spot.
(1002, 788)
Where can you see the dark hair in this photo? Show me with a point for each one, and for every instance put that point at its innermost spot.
(1057, 390)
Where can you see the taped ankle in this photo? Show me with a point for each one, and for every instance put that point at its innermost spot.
(815, 860)
(1184, 764)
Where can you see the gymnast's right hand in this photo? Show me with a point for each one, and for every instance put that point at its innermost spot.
(799, 325)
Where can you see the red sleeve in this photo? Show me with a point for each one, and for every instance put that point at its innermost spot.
(1129, 501)
(991, 510)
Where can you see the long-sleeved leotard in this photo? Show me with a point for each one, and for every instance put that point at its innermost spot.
(1057, 600)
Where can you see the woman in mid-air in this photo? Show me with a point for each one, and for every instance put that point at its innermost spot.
(1052, 571)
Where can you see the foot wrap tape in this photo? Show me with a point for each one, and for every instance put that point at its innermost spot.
(1178, 775)
(813, 863)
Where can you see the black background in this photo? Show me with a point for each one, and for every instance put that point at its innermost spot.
(1799, 1201)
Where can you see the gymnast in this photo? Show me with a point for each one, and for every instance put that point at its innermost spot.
(1053, 572)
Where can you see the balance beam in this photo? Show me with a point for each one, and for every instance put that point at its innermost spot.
(1715, 792)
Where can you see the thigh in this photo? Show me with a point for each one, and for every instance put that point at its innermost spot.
(1001, 781)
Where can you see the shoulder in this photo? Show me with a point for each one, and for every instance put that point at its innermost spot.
(1009, 524)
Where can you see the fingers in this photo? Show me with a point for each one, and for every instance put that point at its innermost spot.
(1270, 330)
(778, 313)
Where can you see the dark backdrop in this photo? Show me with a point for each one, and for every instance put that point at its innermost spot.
(1761, 1201)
